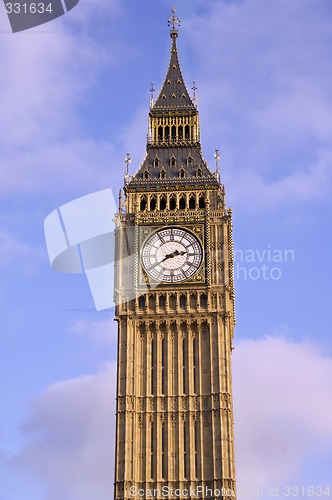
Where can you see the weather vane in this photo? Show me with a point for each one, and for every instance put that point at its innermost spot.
(174, 21)
(217, 158)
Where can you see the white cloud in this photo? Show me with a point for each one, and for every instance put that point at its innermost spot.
(100, 332)
(46, 74)
(283, 405)
(71, 430)
(13, 250)
(264, 87)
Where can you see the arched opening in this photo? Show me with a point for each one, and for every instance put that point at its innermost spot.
(156, 163)
(141, 302)
(162, 203)
(186, 132)
(183, 301)
(201, 202)
(166, 132)
(173, 133)
(146, 175)
(172, 162)
(182, 203)
(160, 133)
(163, 174)
(199, 172)
(172, 203)
(143, 203)
(203, 300)
(172, 302)
(153, 203)
(180, 132)
(181, 174)
(192, 202)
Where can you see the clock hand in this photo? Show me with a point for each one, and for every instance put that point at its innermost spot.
(168, 256)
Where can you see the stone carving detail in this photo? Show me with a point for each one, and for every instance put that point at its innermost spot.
(142, 330)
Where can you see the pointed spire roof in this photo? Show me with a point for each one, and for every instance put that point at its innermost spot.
(174, 156)
(174, 93)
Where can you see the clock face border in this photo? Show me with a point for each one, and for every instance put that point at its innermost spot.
(197, 277)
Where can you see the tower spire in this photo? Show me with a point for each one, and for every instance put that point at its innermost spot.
(174, 94)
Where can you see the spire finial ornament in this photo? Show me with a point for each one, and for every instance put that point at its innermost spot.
(128, 162)
(194, 88)
(174, 22)
(152, 91)
(217, 158)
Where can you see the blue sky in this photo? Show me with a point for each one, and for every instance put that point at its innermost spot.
(74, 100)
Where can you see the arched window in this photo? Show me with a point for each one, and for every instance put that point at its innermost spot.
(192, 202)
(172, 203)
(173, 133)
(143, 204)
(153, 203)
(141, 302)
(172, 162)
(166, 132)
(203, 300)
(172, 301)
(180, 132)
(146, 175)
(182, 173)
(186, 132)
(189, 161)
(160, 133)
(162, 301)
(201, 202)
(156, 162)
(182, 202)
(162, 203)
(163, 174)
(199, 172)
(183, 301)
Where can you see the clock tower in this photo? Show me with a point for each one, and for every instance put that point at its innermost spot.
(174, 294)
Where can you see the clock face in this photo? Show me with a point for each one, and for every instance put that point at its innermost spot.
(171, 255)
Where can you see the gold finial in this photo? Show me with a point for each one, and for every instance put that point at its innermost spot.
(174, 22)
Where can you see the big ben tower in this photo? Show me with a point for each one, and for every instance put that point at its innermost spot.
(174, 292)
